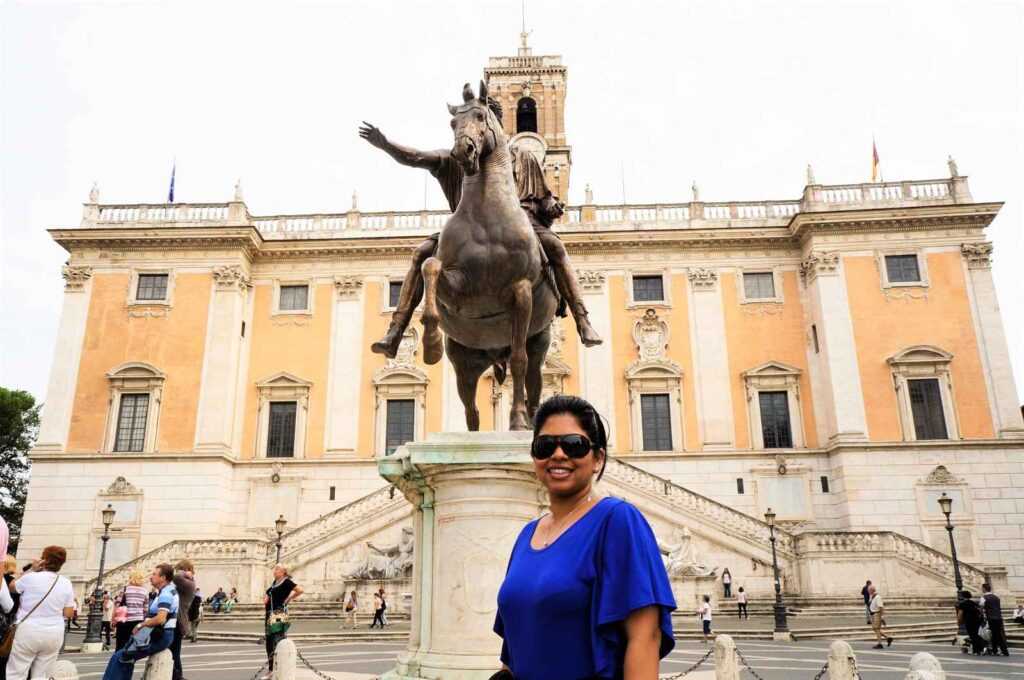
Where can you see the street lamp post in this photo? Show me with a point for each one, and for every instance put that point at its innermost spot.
(280, 524)
(781, 624)
(92, 643)
(946, 503)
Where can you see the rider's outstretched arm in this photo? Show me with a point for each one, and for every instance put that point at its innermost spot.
(406, 155)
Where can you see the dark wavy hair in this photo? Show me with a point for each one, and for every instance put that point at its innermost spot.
(586, 415)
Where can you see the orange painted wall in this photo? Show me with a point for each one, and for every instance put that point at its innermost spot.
(278, 344)
(624, 353)
(174, 344)
(758, 333)
(883, 327)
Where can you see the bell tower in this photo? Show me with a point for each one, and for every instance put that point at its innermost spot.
(531, 90)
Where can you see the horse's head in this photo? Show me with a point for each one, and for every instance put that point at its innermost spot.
(477, 130)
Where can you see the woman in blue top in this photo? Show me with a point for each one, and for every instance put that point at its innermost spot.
(586, 577)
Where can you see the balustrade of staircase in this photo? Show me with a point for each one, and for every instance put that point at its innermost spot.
(377, 503)
(723, 517)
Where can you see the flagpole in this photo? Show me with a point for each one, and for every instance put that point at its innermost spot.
(170, 191)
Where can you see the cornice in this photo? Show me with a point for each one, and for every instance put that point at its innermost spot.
(894, 219)
(246, 238)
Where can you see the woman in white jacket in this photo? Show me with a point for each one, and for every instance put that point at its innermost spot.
(47, 600)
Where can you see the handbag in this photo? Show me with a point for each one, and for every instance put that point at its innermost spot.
(985, 633)
(278, 622)
(7, 642)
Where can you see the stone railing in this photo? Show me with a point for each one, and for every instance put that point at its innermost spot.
(344, 518)
(730, 521)
(583, 218)
(907, 549)
(214, 549)
(259, 550)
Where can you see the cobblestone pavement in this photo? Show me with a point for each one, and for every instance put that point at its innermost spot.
(772, 660)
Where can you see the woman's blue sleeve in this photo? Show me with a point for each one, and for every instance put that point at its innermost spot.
(630, 576)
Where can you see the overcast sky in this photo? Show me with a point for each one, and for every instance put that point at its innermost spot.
(739, 96)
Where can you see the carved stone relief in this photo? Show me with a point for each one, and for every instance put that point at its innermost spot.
(75, 277)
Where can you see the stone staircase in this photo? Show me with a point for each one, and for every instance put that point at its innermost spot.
(801, 555)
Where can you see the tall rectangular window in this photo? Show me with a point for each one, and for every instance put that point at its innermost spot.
(152, 287)
(902, 269)
(394, 293)
(739, 485)
(926, 406)
(758, 285)
(401, 424)
(281, 432)
(331, 493)
(775, 428)
(648, 289)
(814, 338)
(824, 484)
(131, 423)
(294, 298)
(656, 421)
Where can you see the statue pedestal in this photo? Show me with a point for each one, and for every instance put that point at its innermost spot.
(473, 493)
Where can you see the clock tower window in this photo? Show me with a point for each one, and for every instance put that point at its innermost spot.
(526, 115)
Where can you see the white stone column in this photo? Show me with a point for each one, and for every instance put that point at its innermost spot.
(840, 372)
(160, 666)
(60, 393)
(473, 492)
(597, 380)
(222, 360)
(842, 663)
(995, 356)
(453, 416)
(345, 367)
(727, 665)
(710, 361)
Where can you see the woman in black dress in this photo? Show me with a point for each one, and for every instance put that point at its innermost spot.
(282, 591)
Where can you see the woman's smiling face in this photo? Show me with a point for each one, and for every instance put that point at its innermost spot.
(560, 474)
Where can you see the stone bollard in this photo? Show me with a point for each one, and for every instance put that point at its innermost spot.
(159, 666)
(285, 656)
(842, 663)
(727, 665)
(924, 666)
(63, 670)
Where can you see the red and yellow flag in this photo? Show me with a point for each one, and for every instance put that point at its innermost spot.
(876, 171)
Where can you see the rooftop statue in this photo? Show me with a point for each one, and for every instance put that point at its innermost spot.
(496, 274)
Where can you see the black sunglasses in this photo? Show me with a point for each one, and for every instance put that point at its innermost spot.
(573, 445)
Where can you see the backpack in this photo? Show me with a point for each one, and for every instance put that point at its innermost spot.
(193, 609)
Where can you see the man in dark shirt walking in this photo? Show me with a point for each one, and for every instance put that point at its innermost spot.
(867, 600)
(991, 605)
(184, 582)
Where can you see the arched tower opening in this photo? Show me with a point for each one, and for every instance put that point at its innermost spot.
(526, 115)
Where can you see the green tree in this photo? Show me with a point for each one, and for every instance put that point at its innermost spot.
(19, 425)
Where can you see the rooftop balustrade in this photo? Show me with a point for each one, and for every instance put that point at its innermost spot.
(580, 218)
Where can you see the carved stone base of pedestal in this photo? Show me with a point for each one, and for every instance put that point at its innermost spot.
(473, 493)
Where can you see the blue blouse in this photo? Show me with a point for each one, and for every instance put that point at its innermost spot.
(561, 608)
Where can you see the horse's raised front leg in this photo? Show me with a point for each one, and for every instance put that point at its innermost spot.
(522, 310)
(433, 347)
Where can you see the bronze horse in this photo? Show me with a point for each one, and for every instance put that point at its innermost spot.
(486, 287)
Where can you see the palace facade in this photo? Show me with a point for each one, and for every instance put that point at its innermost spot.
(837, 356)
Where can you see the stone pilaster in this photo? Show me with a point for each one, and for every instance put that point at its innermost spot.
(597, 384)
(711, 361)
(995, 355)
(60, 393)
(836, 368)
(222, 360)
(345, 366)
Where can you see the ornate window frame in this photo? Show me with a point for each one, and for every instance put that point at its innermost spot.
(310, 297)
(133, 287)
(666, 289)
(282, 386)
(883, 270)
(926, 491)
(385, 294)
(654, 373)
(400, 378)
(773, 376)
(741, 293)
(922, 362)
(133, 377)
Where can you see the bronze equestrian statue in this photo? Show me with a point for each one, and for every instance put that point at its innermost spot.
(492, 280)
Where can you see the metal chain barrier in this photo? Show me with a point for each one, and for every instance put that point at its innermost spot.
(264, 667)
(820, 674)
(308, 665)
(747, 665)
(693, 667)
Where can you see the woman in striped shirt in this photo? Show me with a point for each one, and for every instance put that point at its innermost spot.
(135, 597)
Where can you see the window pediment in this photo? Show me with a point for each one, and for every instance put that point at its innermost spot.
(772, 369)
(283, 379)
(136, 370)
(920, 355)
(653, 369)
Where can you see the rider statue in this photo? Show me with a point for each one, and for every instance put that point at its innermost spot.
(535, 198)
